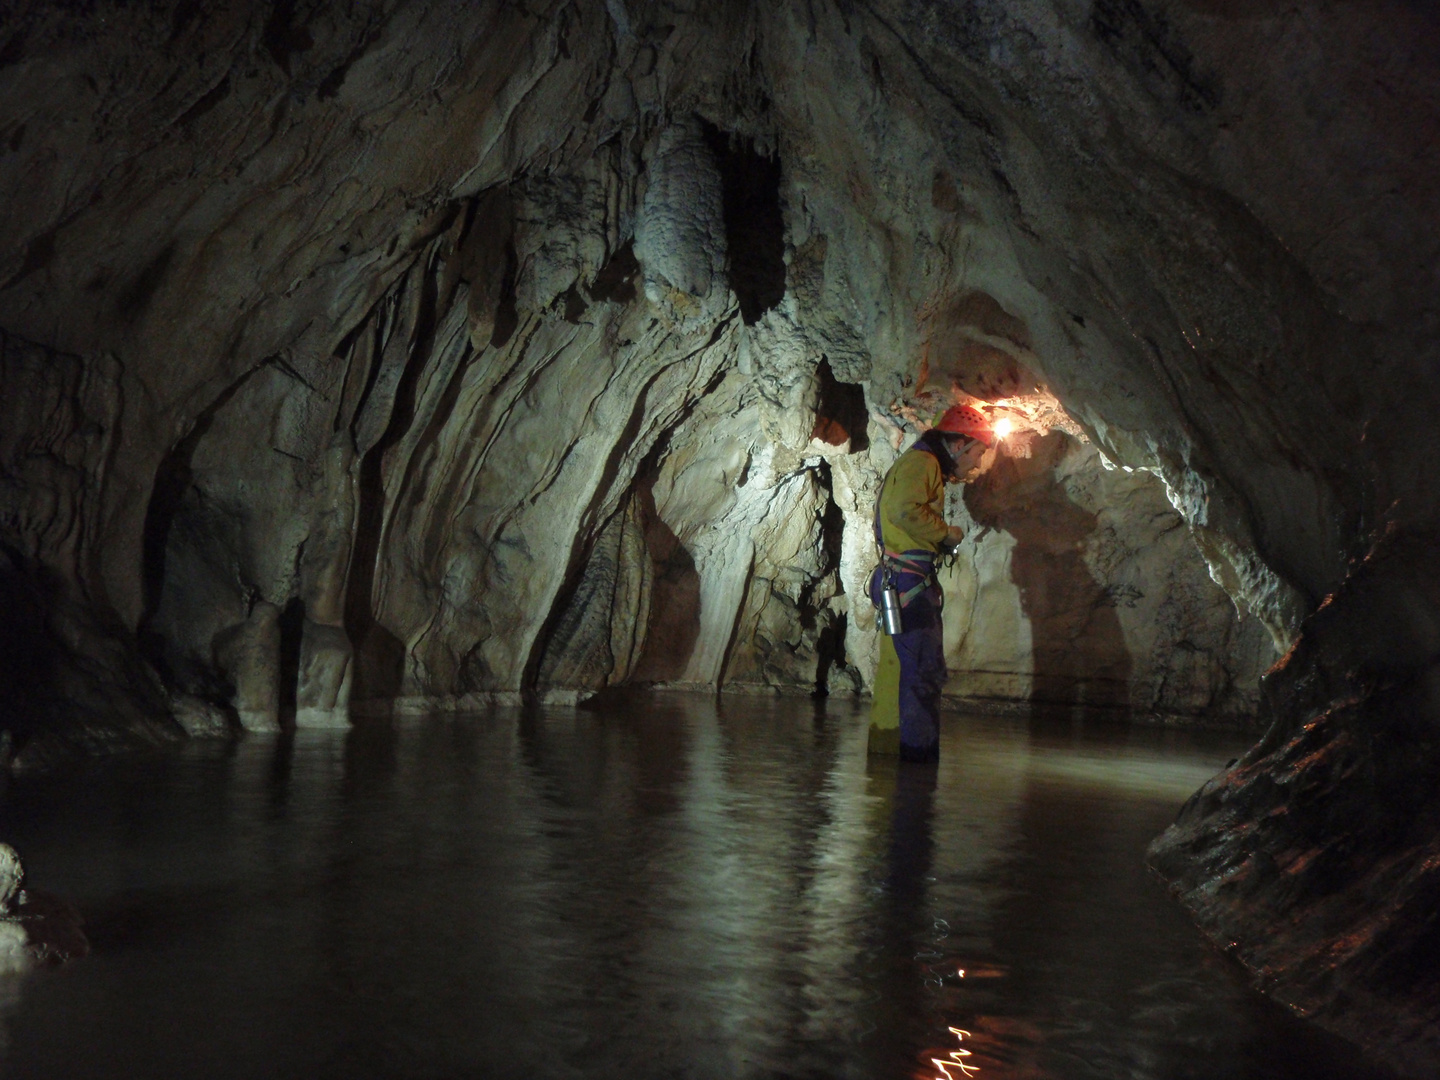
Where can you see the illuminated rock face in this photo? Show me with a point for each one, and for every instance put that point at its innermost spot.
(434, 353)
(1080, 586)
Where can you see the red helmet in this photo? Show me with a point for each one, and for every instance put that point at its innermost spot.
(963, 420)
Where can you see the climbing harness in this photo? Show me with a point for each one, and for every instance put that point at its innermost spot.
(918, 563)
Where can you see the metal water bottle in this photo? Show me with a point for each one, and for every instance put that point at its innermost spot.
(890, 609)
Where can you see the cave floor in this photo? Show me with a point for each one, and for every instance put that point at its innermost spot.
(674, 887)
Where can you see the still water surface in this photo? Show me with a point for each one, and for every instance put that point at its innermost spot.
(673, 888)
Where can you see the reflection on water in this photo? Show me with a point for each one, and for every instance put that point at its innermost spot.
(958, 1059)
(677, 887)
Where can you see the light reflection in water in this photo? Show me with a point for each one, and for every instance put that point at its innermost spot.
(957, 1058)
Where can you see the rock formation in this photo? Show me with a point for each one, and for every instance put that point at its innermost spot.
(420, 355)
(35, 927)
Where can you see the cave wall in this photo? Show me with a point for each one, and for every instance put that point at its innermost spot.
(401, 355)
(416, 498)
(1078, 587)
(608, 213)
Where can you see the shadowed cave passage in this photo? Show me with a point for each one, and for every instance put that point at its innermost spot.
(754, 226)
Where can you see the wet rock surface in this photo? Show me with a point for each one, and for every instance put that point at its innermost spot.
(437, 354)
(36, 928)
(1329, 825)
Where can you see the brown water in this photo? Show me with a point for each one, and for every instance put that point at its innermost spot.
(676, 888)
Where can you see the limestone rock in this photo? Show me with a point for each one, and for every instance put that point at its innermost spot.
(200, 718)
(1078, 585)
(249, 654)
(15, 958)
(679, 232)
(1350, 738)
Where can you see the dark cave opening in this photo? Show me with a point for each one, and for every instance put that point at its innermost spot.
(829, 654)
(830, 635)
(754, 222)
(27, 649)
(840, 412)
(173, 478)
(615, 281)
(292, 634)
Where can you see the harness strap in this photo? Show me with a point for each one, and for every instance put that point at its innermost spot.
(910, 594)
(917, 562)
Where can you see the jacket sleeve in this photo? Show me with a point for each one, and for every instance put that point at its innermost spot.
(917, 490)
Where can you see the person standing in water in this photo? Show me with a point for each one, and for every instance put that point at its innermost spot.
(911, 531)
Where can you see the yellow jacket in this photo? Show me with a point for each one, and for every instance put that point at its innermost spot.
(912, 503)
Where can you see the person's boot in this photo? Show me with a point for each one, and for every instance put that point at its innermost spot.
(883, 742)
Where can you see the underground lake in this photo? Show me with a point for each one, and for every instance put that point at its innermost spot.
(672, 885)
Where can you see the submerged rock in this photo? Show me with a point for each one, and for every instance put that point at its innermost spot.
(35, 927)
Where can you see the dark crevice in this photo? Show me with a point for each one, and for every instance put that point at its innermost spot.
(507, 316)
(282, 38)
(28, 654)
(616, 280)
(379, 654)
(754, 222)
(829, 654)
(173, 478)
(376, 330)
(830, 638)
(575, 306)
(840, 413)
(345, 351)
(832, 527)
(38, 255)
(207, 101)
(132, 302)
(292, 632)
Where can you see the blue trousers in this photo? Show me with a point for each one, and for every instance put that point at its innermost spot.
(922, 679)
(905, 711)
